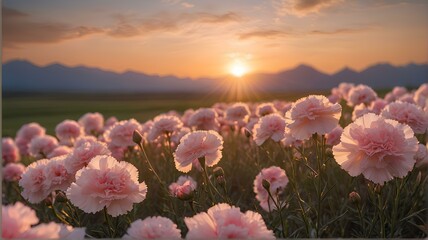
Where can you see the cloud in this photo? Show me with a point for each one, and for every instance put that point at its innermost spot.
(19, 28)
(262, 34)
(303, 7)
(187, 5)
(128, 26)
(339, 31)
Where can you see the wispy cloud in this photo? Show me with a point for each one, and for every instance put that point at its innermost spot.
(270, 33)
(165, 22)
(340, 31)
(20, 28)
(303, 7)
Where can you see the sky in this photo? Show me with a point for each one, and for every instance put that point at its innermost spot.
(198, 38)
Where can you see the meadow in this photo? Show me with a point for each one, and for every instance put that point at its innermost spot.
(50, 109)
(306, 166)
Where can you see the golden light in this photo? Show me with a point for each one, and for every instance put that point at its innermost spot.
(238, 68)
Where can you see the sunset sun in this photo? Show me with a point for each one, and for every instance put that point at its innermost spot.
(238, 68)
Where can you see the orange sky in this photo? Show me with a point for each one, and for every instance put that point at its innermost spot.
(202, 38)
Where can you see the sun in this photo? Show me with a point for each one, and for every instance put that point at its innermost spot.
(238, 69)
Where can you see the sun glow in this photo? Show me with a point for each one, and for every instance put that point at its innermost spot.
(238, 68)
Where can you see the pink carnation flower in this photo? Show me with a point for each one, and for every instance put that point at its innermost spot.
(68, 232)
(313, 114)
(60, 151)
(421, 95)
(186, 116)
(13, 171)
(409, 114)
(57, 177)
(378, 148)
(16, 219)
(399, 91)
(68, 131)
(9, 151)
(42, 146)
(196, 145)
(238, 113)
(361, 94)
(25, 134)
(377, 106)
(421, 156)
(153, 228)
(84, 150)
(333, 137)
(33, 182)
(223, 221)
(43, 231)
(163, 125)
(270, 126)
(183, 188)
(344, 89)
(110, 122)
(265, 109)
(278, 181)
(92, 123)
(359, 111)
(204, 119)
(105, 182)
(121, 133)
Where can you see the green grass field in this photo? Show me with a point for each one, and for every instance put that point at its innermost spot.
(49, 110)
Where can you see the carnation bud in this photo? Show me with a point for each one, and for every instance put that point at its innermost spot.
(137, 137)
(221, 181)
(185, 196)
(247, 132)
(60, 197)
(218, 172)
(329, 152)
(48, 200)
(354, 198)
(266, 184)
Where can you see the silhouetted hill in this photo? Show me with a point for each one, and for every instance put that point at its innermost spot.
(23, 76)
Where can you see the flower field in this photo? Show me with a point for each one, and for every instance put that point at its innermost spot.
(351, 164)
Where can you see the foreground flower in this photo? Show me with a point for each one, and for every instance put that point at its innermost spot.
(9, 151)
(16, 219)
(270, 126)
(378, 148)
(277, 183)
(313, 114)
(224, 221)
(183, 188)
(68, 131)
(195, 145)
(33, 182)
(153, 228)
(105, 182)
(409, 114)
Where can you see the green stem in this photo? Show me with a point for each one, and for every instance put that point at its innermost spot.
(361, 219)
(381, 215)
(110, 230)
(58, 216)
(299, 200)
(150, 165)
(278, 207)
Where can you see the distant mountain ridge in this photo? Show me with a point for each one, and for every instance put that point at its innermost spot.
(23, 76)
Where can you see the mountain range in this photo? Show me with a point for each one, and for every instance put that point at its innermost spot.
(23, 76)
